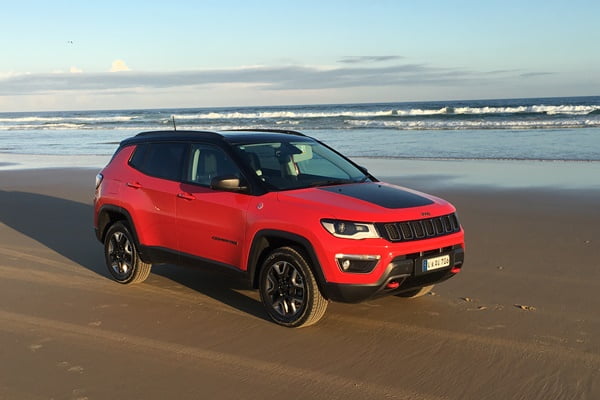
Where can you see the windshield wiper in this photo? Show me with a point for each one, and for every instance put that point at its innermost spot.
(331, 182)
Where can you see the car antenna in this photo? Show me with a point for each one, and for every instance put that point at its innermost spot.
(174, 124)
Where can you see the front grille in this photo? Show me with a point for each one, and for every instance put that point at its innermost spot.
(419, 229)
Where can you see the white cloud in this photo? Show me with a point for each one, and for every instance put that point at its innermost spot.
(11, 74)
(119, 66)
(299, 80)
(75, 70)
(368, 59)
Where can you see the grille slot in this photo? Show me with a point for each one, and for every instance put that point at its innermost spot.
(439, 228)
(407, 233)
(392, 232)
(446, 223)
(419, 229)
(454, 222)
(429, 228)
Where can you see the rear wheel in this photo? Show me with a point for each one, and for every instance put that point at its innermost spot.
(121, 255)
(417, 292)
(289, 291)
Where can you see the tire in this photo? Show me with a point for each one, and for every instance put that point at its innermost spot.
(289, 291)
(121, 255)
(417, 292)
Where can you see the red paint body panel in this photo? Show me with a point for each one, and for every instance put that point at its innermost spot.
(213, 224)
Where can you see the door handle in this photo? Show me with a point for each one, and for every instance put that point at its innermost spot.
(134, 185)
(186, 196)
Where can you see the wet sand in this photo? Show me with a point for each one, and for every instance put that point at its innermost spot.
(520, 321)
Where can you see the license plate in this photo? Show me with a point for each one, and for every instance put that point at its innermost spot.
(430, 264)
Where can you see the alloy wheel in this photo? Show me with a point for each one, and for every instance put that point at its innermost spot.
(286, 289)
(120, 253)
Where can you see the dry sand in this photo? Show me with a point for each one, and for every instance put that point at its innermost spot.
(520, 321)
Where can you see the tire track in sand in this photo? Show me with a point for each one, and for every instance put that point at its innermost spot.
(591, 360)
(19, 323)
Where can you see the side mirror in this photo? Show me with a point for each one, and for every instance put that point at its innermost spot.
(227, 183)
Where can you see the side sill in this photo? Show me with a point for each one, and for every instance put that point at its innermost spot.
(162, 255)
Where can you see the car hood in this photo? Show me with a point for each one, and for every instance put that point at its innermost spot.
(369, 201)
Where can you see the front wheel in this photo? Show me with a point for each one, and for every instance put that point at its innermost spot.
(289, 291)
(121, 255)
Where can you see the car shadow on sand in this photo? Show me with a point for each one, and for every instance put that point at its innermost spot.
(65, 226)
(223, 286)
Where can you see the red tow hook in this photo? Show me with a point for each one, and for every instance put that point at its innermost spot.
(455, 270)
(392, 285)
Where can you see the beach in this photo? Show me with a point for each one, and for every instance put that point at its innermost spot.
(519, 322)
(481, 121)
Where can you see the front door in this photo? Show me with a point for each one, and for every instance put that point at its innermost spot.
(211, 223)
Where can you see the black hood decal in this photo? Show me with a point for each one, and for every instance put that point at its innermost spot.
(382, 195)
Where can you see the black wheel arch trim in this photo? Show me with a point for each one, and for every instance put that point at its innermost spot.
(103, 226)
(262, 241)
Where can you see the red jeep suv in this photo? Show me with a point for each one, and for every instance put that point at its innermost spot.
(299, 221)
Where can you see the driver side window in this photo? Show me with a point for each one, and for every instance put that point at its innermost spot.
(207, 162)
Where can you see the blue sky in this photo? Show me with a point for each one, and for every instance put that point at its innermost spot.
(136, 54)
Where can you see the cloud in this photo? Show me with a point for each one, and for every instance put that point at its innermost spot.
(503, 71)
(534, 74)
(367, 59)
(119, 66)
(75, 70)
(11, 74)
(289, 77)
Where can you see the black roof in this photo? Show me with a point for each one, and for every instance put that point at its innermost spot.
(230, 136)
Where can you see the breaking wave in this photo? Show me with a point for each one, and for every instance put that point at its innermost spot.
(550, 113)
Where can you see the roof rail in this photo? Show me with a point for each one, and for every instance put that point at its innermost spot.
(149, 133)
(286, 131)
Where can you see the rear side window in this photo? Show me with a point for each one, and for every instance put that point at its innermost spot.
(162, 160)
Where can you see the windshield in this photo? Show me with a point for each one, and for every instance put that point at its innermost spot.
(294, 165)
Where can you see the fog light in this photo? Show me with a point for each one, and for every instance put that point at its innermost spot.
(357, 263)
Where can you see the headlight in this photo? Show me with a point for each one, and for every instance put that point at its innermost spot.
(350, 230)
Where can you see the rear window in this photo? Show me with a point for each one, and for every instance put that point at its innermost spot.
(161, 160)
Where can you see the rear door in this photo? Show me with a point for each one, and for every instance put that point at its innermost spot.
(151, 191)
(211, 223)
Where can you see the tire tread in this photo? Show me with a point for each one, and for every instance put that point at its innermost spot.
(315, 308)
(141, 270)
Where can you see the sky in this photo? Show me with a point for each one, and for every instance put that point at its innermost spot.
(76, 55)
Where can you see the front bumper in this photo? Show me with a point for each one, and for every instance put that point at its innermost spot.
(402, 274)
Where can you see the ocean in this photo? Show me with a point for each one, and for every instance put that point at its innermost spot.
(565, 128)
